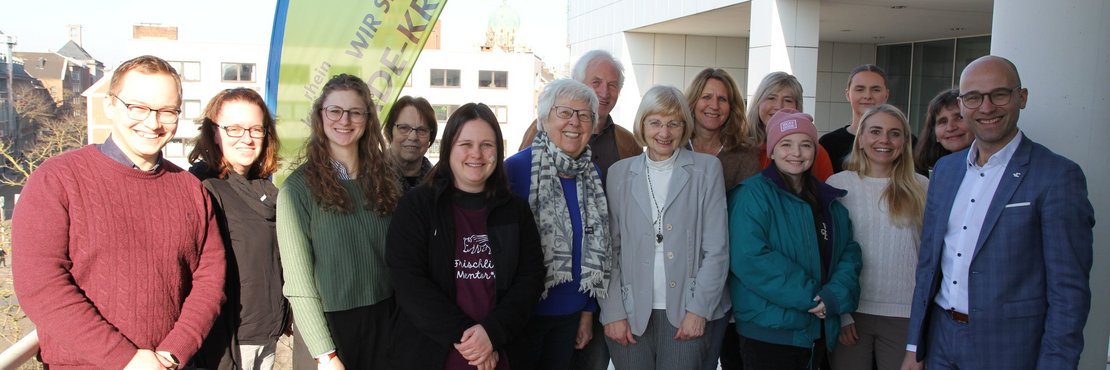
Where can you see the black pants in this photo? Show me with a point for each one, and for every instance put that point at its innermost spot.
(759, 355)
(361, 337)
(547, 343)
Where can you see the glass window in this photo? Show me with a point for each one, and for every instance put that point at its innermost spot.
(238, 72)
(445, 77)
(916, 72)
(493, 79)
(189, 71)
(932, 73)
(502, 113)
(443, 111)
(190, 109)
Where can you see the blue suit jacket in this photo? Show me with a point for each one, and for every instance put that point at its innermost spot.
(1029, 292)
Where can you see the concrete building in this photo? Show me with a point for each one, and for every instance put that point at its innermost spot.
(64, 73)
(923, 45)
(206, 68)
(499, 72)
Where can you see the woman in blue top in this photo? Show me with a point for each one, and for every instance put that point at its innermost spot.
(795, 266)
(558, 178)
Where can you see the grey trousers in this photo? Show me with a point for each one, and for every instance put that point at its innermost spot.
(880, 337)
(657, 348)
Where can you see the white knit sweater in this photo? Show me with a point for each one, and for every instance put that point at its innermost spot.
(889, 251)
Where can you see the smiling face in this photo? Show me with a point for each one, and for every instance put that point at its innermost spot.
(882, 141)
(662, 133)
(409, 148)
(473, 155)
(951, 129)
(779, 98)
(571, 135)
(993, 125)
(712, 108)
(604, 79)
(344, 133)
(142, 141)
(866, 89)
(243, 151)
(793, 154)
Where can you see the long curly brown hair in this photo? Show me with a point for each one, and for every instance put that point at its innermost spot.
(376, 176)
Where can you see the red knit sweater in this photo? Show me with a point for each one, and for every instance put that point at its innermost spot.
(108, 259)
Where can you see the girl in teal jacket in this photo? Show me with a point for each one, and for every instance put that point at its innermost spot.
(794, 265)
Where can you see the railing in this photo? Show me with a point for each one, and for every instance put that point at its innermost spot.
(21, 351)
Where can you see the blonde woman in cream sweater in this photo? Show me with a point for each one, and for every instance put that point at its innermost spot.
(886, 201)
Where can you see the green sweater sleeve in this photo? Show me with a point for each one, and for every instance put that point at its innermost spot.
(297, 262)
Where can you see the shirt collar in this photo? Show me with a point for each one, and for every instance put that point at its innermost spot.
(110, 149)
(1001, 157)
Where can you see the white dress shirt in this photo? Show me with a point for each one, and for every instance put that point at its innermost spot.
(966, 222)
(659, 178)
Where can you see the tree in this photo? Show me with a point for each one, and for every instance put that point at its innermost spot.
(57, 129)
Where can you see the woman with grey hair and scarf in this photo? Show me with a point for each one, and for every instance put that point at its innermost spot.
(564, 190)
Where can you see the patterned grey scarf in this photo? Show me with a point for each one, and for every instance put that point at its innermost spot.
(545, 196)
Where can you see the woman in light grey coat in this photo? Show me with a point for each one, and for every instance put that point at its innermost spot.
(669, 231)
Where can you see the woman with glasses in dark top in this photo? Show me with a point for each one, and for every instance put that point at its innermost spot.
(410, 128)
(333, 213)
(234, 154)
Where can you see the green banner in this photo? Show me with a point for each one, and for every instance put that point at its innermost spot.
(377, 40)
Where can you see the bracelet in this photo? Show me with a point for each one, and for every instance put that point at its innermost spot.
(325, 358)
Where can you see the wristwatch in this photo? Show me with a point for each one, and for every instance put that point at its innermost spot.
(169, 356)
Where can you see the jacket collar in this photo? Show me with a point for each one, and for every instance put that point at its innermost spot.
(826, 193)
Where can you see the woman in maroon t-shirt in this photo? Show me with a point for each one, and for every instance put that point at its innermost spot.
(464, 255)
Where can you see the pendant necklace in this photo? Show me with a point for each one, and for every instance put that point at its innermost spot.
(658, 222)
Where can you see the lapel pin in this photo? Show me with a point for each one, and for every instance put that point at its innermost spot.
(1017, 174)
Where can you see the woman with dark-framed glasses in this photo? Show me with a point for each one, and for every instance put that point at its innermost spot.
(234, 155)
(563, 188)
(410, 128)
(333, 214)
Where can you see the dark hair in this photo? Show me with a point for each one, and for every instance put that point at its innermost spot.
(423, 108)
(147, 64)
(928, 149)
(376, 177)
(206, 149)
(868, 68)
(498, 182)
(808, 189)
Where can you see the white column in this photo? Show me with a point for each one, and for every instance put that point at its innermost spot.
(1059, 49)
(783, 37)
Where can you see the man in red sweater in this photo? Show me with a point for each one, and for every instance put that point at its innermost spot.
(116, 255)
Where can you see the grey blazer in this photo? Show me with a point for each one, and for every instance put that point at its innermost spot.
(695, 241)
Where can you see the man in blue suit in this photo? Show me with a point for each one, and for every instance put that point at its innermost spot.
(1002, 278)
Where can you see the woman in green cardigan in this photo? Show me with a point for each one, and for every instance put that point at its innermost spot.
(333, 213)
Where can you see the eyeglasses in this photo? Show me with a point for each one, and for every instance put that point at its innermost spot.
(236, 131)
(405, 130)
(671, 125)
(335, 113)
(584, 115)
(140, 112)
(998, 97)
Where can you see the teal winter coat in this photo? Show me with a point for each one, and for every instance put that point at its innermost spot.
(776, 265)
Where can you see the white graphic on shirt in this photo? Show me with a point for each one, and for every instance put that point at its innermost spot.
(475, 268)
